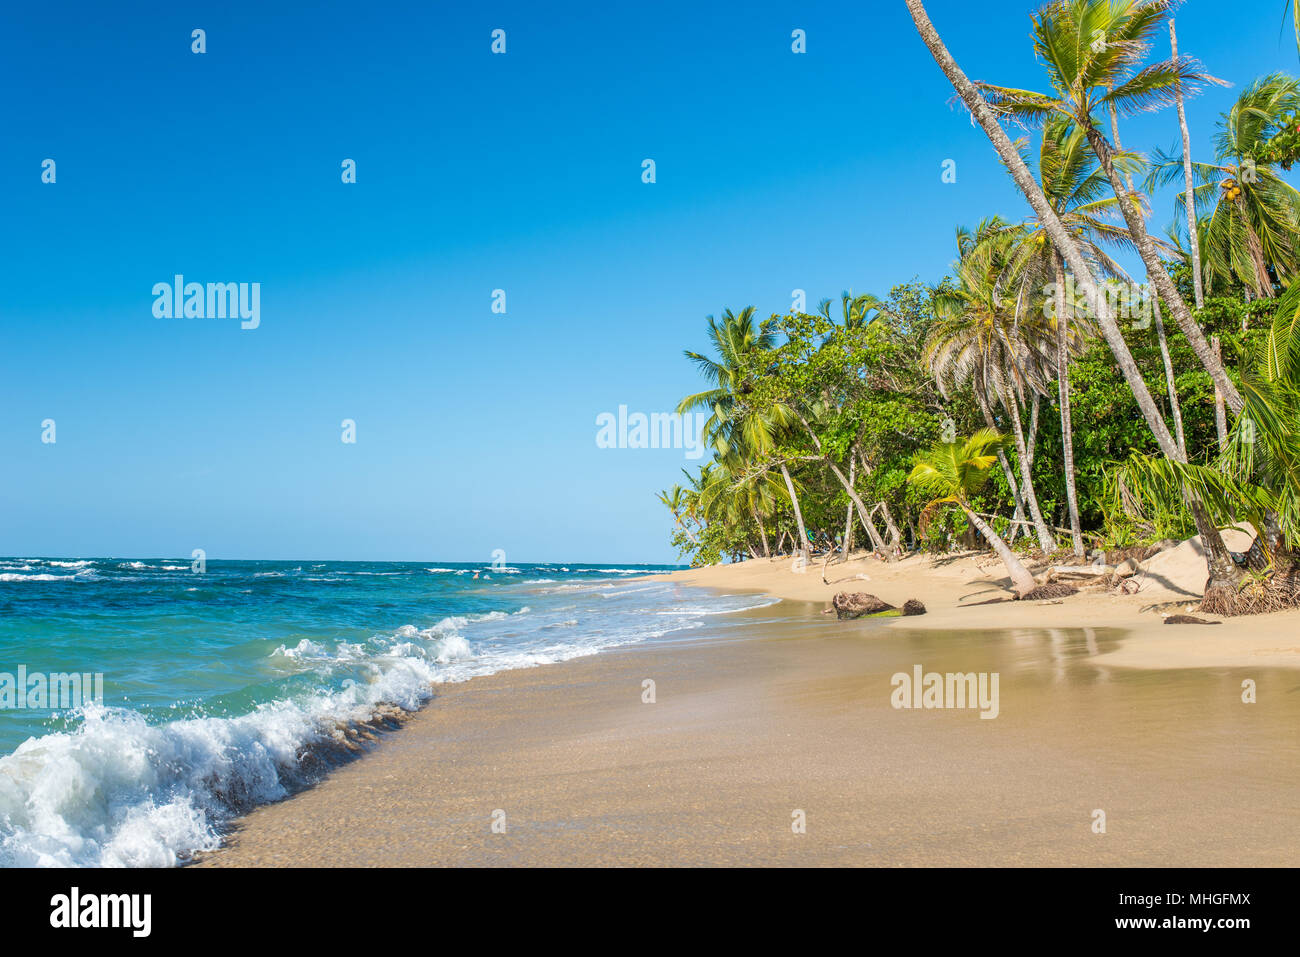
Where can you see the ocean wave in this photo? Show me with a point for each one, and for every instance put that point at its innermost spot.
(118, 791)
(123, 789)
(42, 577)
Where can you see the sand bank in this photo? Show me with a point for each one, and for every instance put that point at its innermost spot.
(951, 586)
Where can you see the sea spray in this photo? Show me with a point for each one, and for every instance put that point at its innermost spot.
(239, 686)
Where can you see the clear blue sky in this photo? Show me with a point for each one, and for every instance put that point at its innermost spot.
(475, 172)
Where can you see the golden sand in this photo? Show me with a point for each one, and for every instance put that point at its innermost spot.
(792, 714)
(951, 586)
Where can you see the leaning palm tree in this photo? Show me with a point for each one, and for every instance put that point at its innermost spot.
(740, 432)
(1086, 282)
(1256, 478)
(1093, 51)
(984, 114)
(1194, 259)
(675, 500)
(952, 472)
(1077, 190)
(988, 338)
(1251, 215)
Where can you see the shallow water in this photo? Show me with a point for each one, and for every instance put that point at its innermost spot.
(1182, 766)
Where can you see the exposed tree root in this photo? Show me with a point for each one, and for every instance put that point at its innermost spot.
(1253, 596)
(1052, 590)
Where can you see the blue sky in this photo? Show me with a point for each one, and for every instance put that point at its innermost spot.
(475, 172)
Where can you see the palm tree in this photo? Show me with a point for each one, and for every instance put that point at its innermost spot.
(1170, 385)
(952, 472)
(740, 433)
(735, 340)
(1093, 52)
(1076, 189)
(675, 500)
(1257, 475)
(1195, 258)
(1253, 215)
(1222, 571)
(857, 311)
(984, 337)
(1024, 179)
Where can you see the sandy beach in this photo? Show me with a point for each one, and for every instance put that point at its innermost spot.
(952, 585)
(787, 716)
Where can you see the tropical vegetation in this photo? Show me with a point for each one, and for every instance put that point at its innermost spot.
(1033, 401)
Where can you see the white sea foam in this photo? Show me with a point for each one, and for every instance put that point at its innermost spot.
(118, 790)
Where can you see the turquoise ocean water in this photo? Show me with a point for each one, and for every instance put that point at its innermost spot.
(238, 685)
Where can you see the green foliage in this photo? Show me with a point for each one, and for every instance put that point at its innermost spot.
(871, 393)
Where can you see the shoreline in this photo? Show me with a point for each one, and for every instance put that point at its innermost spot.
(791, 713)
(949, 586)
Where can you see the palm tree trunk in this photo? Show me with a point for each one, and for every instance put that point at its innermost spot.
(798, 513)
(1061, 239)
(1031, 437)
(1021, 580)
(1221, 585)
(762, 532)
(1045, 540)
(1004, 461)
(1063, 391)
(1155, 299)
(1193, 237)
(1220, 418)
(1156, 271)
(1172, 388)
(848, 518)
(687, 529)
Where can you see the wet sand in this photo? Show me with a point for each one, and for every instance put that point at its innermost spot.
(787, 711)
